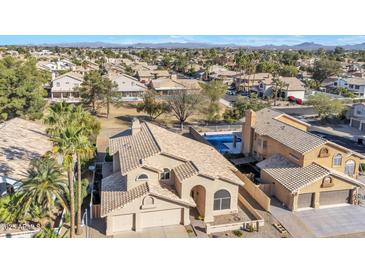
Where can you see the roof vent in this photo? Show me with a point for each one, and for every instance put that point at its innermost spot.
(282, 127)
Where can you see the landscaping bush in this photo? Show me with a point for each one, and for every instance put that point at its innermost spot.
(238, 233)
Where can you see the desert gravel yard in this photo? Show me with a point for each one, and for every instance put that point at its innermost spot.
(334, 221)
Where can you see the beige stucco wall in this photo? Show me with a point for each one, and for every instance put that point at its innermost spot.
(275, 147)
(313, 156)
(291, 200)
(138, 210)
(210, 186)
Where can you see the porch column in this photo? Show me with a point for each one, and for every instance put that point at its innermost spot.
(316, 203)
(137, 222)
(109, 226)
(186, 215)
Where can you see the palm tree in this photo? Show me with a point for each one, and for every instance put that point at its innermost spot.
(84, 151)
(277, 87)
(65, 145)
(44, 188)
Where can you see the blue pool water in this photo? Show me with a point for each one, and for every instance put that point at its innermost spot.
(218, 141)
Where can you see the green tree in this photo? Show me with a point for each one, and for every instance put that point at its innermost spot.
(213, 90)
(66, 147)
(289, 71)
(152, 107)
(45, 187)
(182, 104)
(325, 106)
(242, 104)
(21, 89)
(277, 87)
(74, 132)
(324, 68)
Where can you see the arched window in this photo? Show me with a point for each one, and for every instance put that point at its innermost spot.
(337, 160)
(323, 152)
(350, 167)
(165, 175)
(142, 177)
(222, 200)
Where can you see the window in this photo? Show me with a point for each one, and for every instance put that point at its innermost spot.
(323, 152)
(142, 177)
(351, 86)
(165, 175)
(222, 200)
(58, 84)
(264, 144)
(357, 87)
(350, 168)
(337, 160)
(67, 83)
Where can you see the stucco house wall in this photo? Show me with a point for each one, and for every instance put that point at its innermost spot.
(210, 187)
(142, 213)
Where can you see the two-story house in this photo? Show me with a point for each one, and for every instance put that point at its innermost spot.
(127, 86)
(301, 169)
(159, 176)
(356, 115)
(65, 87)
(356, 85)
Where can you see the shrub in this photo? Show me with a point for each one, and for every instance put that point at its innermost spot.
(238, 233)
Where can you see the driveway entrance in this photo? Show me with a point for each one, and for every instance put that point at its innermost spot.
(334, 221)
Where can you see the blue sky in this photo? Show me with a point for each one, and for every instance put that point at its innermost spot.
(254, 40)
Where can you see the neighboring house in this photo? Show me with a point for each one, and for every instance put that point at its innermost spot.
(146, 76)
(160, 176)
(355, 85)
(20, 142)
(167, 86)
(356, 115)
(128, 86)
(56, 66)
(249, 82)
(64, 87)
(227, 76)
(300, 169)
(294, 88)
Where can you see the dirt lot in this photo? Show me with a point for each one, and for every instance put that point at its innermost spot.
(121, 116)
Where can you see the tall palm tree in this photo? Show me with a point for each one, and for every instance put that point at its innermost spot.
(84, 151)
(44, 187)
(65, 145)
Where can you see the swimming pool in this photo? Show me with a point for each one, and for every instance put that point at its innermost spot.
(219, 141)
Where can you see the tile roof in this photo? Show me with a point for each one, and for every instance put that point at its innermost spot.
(291, 176)
(20, 142)
(134, 148)
(185, 170)
(115, 196)
(71, 74)
(266, 124)
(152, 140)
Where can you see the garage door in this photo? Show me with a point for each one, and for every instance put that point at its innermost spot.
(305, 200)
(161, 218)
(123, 222)
(334, 197)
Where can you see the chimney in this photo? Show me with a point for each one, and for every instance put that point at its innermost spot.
(248, 132)
(173, 77)
(53, 75)
(136, 126)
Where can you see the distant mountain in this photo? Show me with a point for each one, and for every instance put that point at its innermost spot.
(174, 45)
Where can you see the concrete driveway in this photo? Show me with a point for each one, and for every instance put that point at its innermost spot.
(334, 221)
(172, 231)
